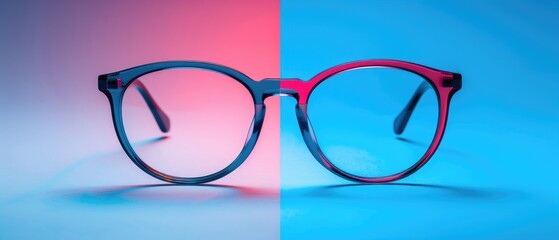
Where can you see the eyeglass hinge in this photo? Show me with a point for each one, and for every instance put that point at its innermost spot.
(455, 81)
(109, 81)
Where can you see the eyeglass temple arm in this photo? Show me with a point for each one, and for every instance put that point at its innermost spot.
(402, 119)
(160, 117)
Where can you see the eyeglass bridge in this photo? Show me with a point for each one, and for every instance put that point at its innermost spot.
(292, 87)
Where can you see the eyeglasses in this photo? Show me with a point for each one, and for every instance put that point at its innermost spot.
(359, 110)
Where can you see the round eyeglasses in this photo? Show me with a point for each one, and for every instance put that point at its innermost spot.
(191, 122)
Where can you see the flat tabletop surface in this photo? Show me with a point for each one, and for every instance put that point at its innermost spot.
(66, 177)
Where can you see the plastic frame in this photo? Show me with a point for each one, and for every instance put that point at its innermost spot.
(114, 85)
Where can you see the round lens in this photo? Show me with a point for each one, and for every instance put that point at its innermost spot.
(209, 114)
(353, 115)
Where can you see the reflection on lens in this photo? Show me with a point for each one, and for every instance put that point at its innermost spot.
(353, 114)
(209, 114)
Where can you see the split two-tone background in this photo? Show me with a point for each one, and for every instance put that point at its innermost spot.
(64, 176)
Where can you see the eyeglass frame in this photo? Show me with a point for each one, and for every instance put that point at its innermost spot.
(115, 84)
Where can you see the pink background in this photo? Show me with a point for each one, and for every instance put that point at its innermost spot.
(62, 165)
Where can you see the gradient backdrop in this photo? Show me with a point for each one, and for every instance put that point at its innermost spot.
(64, 175)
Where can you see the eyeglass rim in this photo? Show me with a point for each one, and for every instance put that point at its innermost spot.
(113, 85)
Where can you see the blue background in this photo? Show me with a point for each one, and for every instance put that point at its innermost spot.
(494, 175)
